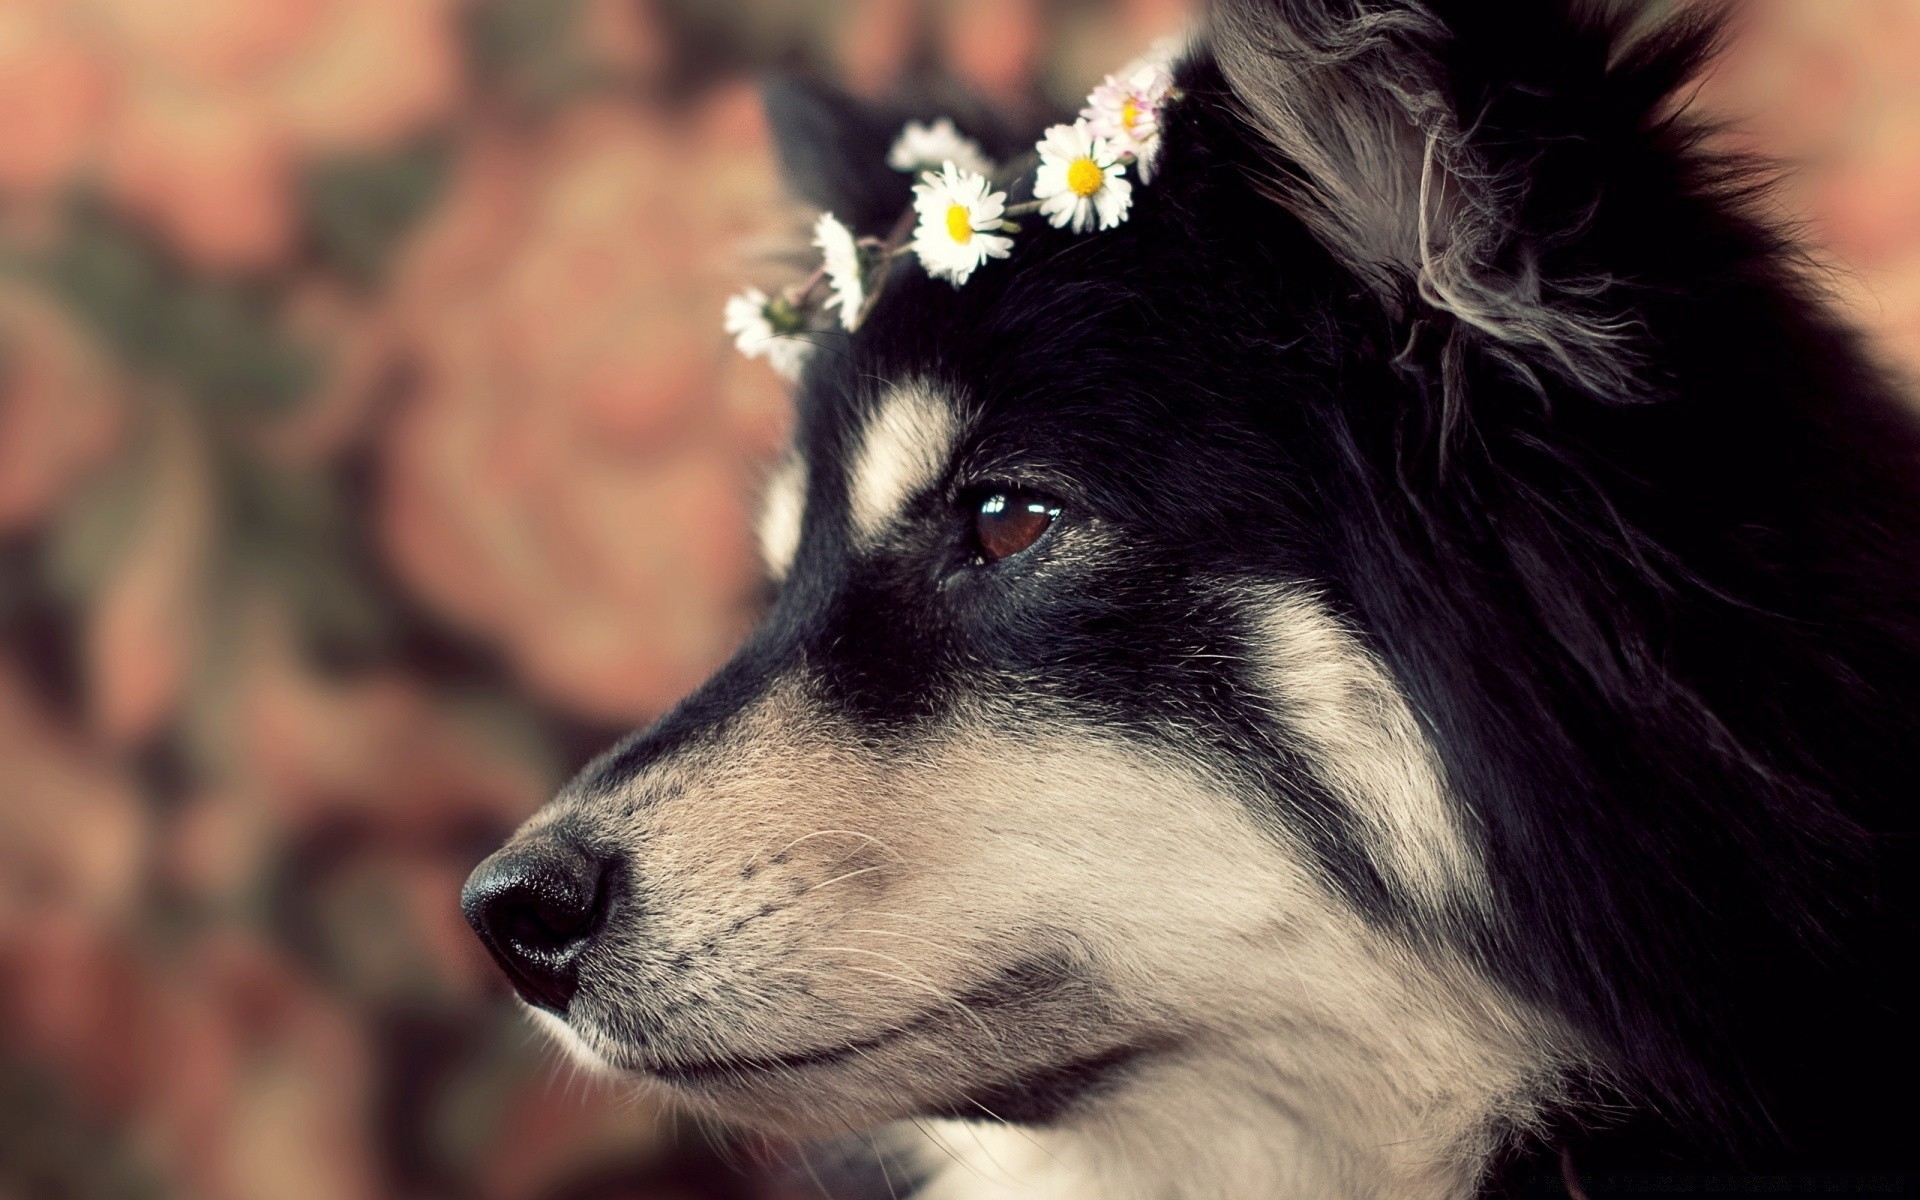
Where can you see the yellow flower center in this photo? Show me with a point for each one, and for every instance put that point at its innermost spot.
(1129, 113)
(1084, 177)
(960, 224)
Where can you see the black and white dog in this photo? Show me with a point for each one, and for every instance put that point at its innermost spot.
(1393, 673)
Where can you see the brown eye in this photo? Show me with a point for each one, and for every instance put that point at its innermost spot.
(1008, 521)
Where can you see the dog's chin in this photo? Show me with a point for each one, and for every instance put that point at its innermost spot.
(1029, 1039)
(821, 1093)
(832, 1091)
(920, 1070)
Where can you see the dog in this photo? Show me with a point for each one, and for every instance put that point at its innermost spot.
(1390, 673)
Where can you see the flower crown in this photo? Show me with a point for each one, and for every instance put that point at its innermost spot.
(958, 220)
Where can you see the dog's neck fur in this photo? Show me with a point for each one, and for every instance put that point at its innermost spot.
(1230, 1125)
(1405, 1099)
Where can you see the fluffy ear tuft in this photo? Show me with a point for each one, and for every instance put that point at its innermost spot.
(1385, 121)
(1353, 107)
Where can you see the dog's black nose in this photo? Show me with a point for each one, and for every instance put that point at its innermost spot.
(536, 906)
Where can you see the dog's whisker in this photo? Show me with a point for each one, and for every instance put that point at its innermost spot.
(909, 937)
(818, 833)
(839, 879)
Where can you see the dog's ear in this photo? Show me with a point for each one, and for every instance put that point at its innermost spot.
(833, 147)
(1436, 146)
(833, 151)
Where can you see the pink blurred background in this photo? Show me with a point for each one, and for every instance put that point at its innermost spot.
(371, 454)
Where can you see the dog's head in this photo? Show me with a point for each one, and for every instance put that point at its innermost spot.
(1083, 742)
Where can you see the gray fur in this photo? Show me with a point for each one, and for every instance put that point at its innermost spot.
(1370, 154)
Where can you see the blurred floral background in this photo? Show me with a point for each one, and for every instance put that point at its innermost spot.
(371, 454)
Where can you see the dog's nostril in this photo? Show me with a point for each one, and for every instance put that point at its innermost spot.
(536, 906)
(544, 921)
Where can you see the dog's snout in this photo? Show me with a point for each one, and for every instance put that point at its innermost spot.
(536, 906)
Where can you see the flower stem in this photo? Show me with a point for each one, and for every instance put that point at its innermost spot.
(797, 295)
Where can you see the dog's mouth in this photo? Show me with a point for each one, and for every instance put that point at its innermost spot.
(1034, 1093)
(1017, 987)
(1013, 995)
(704, 1072)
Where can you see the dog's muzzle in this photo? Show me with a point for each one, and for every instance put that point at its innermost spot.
(536, 905)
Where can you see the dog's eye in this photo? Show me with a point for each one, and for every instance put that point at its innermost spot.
(1008, 520)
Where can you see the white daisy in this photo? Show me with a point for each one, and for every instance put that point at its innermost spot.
(1125, 110)
(841, 258)
(1081, 179)
(960, 218)
(927, 147)
(768, 328)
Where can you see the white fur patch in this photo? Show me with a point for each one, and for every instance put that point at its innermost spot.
(1368, 747)
(780, 512)
(1316, 1056)
(903, 451)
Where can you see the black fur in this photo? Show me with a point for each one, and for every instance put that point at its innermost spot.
(1665, 633)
